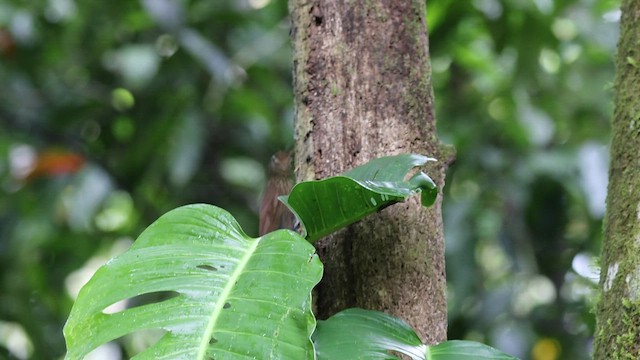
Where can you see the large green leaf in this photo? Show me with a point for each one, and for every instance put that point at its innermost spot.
(324, 206)
(237, 297)
(363, 334)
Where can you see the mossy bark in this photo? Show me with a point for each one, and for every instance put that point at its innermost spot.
(618, 311)
(363, 90)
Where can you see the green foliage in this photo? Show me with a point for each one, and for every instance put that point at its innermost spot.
(522, 89)
(323, 206)
(235, 296)
(465, 350)
(364, 334)
(165, 142)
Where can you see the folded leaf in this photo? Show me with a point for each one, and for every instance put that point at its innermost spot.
(324, 206)
(237, 297)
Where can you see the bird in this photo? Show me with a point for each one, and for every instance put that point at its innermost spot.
(273, 213)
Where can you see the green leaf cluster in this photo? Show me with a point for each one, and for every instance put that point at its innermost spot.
(237, 297)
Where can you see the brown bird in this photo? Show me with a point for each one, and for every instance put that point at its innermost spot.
(273, 213)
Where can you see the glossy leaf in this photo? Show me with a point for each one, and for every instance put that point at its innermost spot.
(465, 350)
(324, 206)
(236, 297)
(364, 334)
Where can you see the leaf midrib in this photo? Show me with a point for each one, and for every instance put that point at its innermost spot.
(224, 295)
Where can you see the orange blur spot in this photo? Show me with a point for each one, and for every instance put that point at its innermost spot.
(7, 45)
(55, 162)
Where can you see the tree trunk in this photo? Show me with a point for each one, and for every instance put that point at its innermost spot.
(362, 84)
(618, 312)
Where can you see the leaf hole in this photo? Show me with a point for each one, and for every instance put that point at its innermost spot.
(207, 267)
(140, 300)
(110, 349)
(146, 338)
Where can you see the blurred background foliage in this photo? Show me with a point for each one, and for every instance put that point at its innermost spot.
(112, 113)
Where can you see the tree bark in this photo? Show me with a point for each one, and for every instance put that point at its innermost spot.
(362, 87)
(618, 311)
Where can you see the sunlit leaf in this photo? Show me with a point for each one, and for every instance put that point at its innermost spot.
(324, 206)
(236, 297)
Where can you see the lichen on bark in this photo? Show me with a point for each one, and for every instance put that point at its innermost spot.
(618, 311)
